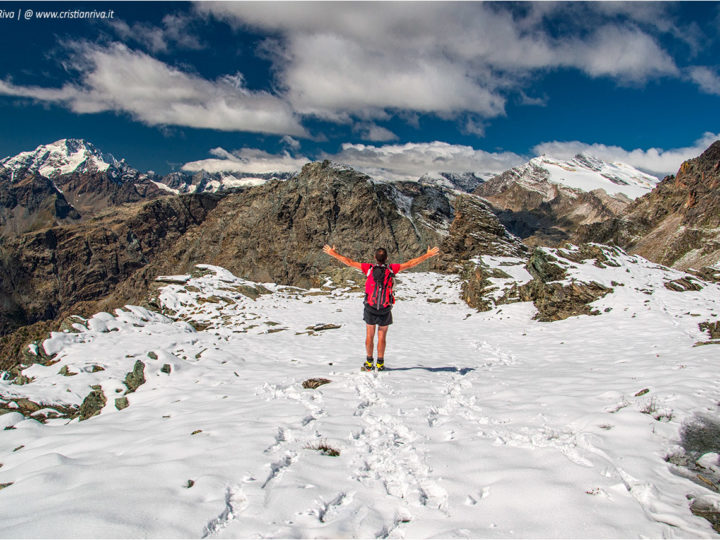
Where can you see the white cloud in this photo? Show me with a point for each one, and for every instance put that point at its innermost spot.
(290, 142)
(365, 59)
(247, 160)
(475, 127)
(115, 78)
(370, 131)
(652, 160)
(389, 162)
(175, 30)
(412, 160)
(707, 79)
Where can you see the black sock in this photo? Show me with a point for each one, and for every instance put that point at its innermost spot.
(381, 360)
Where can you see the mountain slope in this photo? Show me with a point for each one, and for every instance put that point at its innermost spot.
(678, 223)
(46, 272)
(71, 180)
(486, 425)
(275, 232)
(546, 200)
(583, 172)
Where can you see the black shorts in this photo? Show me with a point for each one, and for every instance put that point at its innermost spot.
(371, 316)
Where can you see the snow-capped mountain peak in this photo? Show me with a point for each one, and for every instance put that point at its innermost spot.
(62, 157)
(587, 172)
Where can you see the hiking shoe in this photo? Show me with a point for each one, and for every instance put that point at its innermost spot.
(368, 365)
(380, 364)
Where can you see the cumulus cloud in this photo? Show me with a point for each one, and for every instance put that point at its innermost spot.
(340, 60)
(116, 78)
(652, 160)
(412, 160)
(387, 162)
(247, 160)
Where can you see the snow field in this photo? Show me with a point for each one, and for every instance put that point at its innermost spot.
(484, 425)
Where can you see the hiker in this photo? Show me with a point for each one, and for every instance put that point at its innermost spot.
(379, 297)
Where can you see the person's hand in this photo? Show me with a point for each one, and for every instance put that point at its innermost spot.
(329, 250)
(431, 252)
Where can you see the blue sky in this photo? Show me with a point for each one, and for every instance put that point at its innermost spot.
(399, 88)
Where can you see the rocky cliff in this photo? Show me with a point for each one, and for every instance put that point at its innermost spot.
(678, 223)
(30, 201)
(43, 273)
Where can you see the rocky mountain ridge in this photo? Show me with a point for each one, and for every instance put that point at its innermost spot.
(678, 223)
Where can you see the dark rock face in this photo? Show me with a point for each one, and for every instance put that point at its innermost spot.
(677, 223)
(275, 232)
(29, 202)
(543, 213)
(46, 272)
(92, 192)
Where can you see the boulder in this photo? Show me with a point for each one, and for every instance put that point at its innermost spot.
(92, 404)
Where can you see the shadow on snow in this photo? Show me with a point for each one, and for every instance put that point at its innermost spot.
(461, 371)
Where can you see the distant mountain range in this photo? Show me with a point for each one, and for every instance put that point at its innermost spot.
(77, 156)
(545, 200)
(81, 230)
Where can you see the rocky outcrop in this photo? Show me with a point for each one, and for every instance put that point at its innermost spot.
(558, 301)
(678, 223)
(135, 378)
(475, 231)
(554, 295)
(92, 404)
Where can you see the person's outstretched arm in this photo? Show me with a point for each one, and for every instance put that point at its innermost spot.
(345, 260)
(431, 252)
